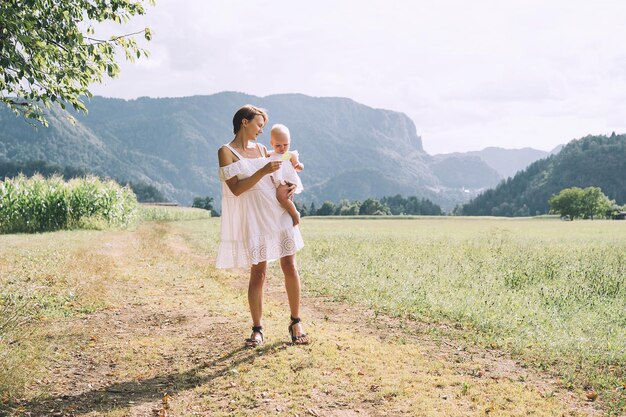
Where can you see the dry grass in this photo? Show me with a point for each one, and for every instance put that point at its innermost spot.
(153, 329)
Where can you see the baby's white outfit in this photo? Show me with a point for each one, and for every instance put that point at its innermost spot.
(286, 173)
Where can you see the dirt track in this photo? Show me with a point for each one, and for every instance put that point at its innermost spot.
(172, 344)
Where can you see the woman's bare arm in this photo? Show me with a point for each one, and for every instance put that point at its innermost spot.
(236, 185)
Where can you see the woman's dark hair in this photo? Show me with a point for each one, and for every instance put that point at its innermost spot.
(247, 112)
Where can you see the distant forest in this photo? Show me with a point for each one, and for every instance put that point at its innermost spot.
(396, 205)
(8, 169)
(593, 161)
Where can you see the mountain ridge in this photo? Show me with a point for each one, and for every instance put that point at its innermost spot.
(592, 161)
(171, 143)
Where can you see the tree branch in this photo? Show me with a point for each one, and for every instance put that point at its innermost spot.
(113, 39)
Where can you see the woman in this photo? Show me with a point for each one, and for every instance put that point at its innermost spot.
(255, 228)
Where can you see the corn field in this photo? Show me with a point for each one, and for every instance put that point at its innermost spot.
(38, 204)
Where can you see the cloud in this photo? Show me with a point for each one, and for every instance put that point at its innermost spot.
(470, 75)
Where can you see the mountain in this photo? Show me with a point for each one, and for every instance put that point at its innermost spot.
(593, 161)
(464, 171)
(349, 150)
(505, 162)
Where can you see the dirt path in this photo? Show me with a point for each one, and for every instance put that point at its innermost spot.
(171, 345)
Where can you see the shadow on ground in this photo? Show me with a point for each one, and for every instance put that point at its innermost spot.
(132, 393)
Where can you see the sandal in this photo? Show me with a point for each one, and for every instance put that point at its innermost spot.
(255, 341)
(302, 339)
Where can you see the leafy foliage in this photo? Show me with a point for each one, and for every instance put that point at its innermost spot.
(48, 53)
(205, 203)
(593, 161)
(371, 206)
(145, 193)
(578, 203)
(411, 206)
(37, 204)
(396, 205)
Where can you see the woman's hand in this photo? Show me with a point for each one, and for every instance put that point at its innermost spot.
(292, 189)
(272, 166)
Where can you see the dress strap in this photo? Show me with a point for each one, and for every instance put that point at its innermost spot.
(258, 146)
(234, 151)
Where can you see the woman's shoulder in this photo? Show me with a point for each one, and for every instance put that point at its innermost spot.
(226, 156)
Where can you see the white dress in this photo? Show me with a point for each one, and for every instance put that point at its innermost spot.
(286, 172)
(254, 226)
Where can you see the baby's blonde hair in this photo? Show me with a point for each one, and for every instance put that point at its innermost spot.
(280, 128)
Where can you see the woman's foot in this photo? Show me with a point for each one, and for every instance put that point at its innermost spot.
(257, 338)
(298, 337)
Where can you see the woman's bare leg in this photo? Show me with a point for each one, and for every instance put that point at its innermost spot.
(292, 285)
(255, 292)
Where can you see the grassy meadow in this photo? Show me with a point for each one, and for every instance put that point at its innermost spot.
(550, 293)
(554, 289)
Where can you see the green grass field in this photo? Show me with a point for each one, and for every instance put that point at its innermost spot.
(550, 293)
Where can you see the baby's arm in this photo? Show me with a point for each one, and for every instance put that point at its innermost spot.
(295, 162)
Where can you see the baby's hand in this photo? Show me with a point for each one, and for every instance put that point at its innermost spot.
(299, 166)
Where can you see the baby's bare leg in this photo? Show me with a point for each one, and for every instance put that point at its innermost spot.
(282, 194)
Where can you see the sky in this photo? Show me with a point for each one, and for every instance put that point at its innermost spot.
(470, 74)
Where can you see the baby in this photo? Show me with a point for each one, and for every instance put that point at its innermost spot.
(279, 139)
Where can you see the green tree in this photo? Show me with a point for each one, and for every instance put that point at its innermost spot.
(146, 193)
(567, 203)
(585, 203)
(410, 205)
(205, 203)
(595, 203)
(49, 51)
(327, 209)
(372, 206)
(349, 209)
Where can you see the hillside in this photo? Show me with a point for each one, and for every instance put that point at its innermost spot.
(597, 161)
(350, 150)
(506, 162)
(464, 171)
